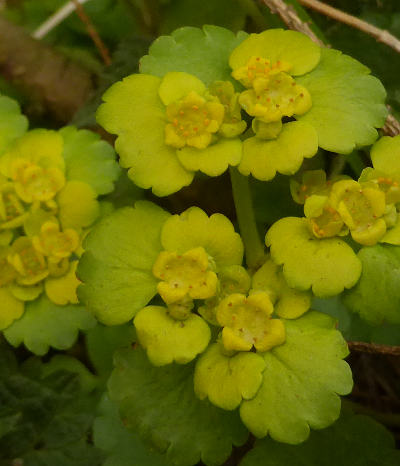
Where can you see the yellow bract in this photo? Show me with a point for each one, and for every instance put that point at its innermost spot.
(54, 244)
(185, 274)
(247, 322)
(193, 121)
(258, 67)
(35, 183)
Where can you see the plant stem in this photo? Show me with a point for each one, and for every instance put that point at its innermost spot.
(253, 246)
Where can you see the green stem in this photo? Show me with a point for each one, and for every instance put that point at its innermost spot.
(253, 246)
(255, 14)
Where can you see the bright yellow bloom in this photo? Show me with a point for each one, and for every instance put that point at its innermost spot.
(192, 121)
(247, 322)
(55, 244)
(185, 274)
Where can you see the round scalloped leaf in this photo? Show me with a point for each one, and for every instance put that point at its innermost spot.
(133, 110)
(226, 380)
(89, 159)
(116, 268)
(168, 340)
(292, 47)
(385, 155)
(325, 265)
(160, 404)
(202, 52)
(376, 297)
(352, 441)
(301, 381)
(193, 228)
(45, 324)
(285, 154)
(347, 103)
(124, 447)
(102, 341)
(12, 123)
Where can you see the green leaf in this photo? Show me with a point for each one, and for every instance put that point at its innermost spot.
(352, 441)
(226, 13)
(102, 341)
(204, 53)
(376, 297)
(63, 362)
(325, 265)
(44, 420)
(347, 103)
(12, 123)
(116, 268)
(89, 159)
(353, 327)
(123, 446)
(160, 404)
(301, 382)
(45, 324)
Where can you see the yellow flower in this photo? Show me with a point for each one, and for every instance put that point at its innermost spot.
(192, 121)
(185, 274)
(54, 244)
(247, 322)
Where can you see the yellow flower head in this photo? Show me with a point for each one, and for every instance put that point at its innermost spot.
(185, 274)
(361, 209)
(258, 67)
(274, 97)
(192, 121)
(30, 264)
(55, 244)
(35, 183)
(247, 322)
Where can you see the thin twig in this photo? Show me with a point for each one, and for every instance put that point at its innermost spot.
(80, 11)
(55, 19)
(290, 17)
(380, 35)
(392, 126)
(374, 348)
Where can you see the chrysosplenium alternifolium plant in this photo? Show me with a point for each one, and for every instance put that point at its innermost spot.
(49, 185)
(223, 348)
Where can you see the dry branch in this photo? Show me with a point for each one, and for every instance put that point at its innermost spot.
(48, 79)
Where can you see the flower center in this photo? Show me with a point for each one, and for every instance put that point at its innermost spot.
(35, 183)
(185, 275)
(274, 97)
(192, 121)
(27, 261)
(54, 244)
(258, 67)
(247, 322)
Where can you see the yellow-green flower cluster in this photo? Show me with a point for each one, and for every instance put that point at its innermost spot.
(367, 208)
(46, 208)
